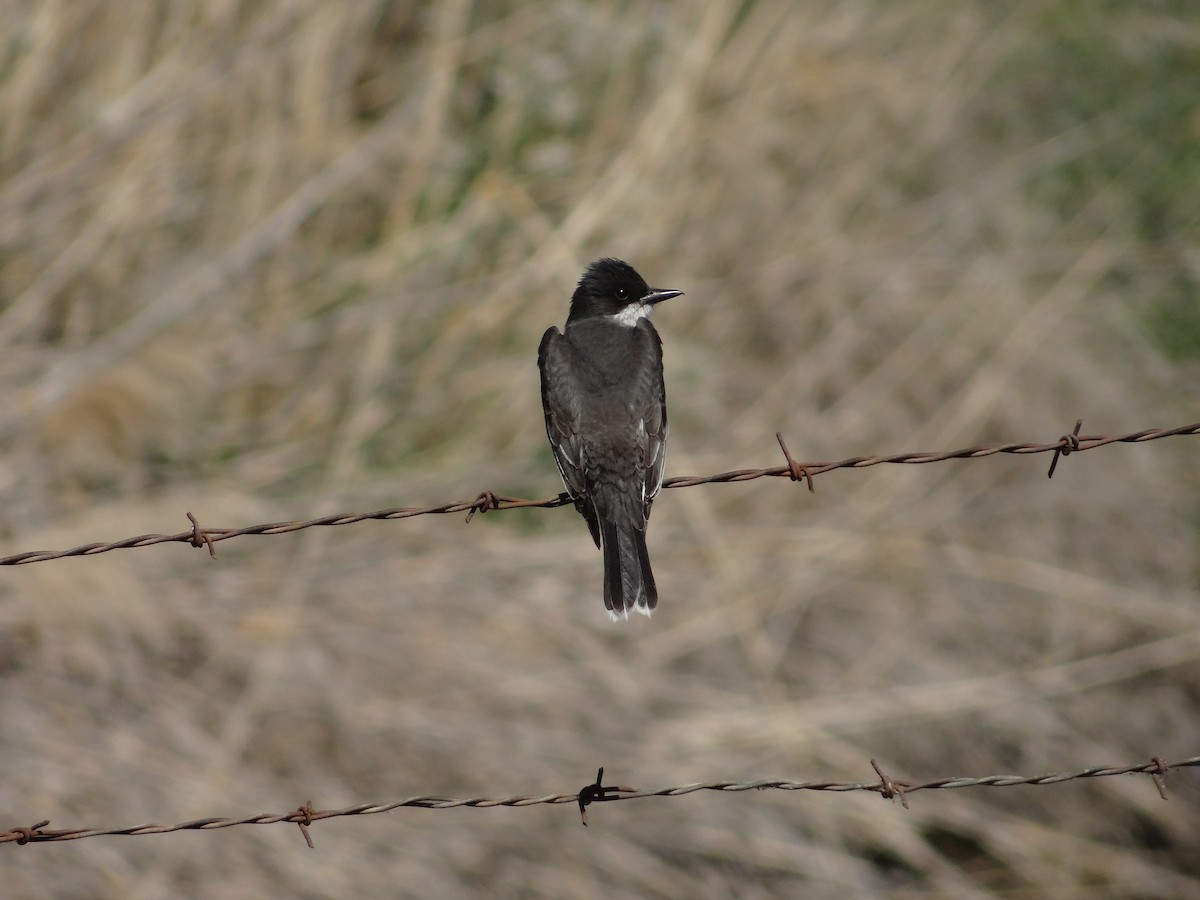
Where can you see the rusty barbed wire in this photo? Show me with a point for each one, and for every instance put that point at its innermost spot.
(888, 787)
(486, 501)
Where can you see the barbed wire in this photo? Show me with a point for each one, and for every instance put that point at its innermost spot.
(889, 788)
(488, 501)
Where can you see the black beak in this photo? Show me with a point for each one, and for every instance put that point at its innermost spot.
(657, 296)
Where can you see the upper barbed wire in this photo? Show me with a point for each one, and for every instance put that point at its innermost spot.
(487, 501)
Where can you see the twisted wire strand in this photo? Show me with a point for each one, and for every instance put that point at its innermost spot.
(488, 501)
(888, 787)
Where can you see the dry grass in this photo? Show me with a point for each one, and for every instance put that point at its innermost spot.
(271, 260)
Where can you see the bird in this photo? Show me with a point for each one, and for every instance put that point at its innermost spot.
(606, 417)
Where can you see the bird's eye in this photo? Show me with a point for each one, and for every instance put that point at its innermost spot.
(622, 293)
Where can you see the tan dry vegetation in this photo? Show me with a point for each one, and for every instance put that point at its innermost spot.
(265, 261)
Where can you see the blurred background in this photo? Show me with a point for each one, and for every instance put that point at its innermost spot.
(266, 261)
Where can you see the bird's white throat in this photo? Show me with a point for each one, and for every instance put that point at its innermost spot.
(630, 315)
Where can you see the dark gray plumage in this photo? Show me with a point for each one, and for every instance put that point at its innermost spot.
(606, 418)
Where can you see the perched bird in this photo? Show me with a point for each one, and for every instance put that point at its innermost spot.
(606, 417)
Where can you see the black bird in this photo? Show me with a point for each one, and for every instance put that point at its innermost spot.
(606, 417)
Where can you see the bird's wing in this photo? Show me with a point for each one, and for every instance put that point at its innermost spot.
(560, 403)
(653, 417)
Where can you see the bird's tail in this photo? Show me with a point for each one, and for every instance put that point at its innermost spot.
(628, 581)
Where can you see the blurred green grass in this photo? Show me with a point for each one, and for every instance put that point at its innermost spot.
(268, 261)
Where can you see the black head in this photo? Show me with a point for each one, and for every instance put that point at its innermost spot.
(609, 287)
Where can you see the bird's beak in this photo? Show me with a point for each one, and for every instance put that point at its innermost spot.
(657, 296)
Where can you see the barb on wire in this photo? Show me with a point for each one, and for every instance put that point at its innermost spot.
(306, 818)
(200, 538)
(889, 788)
(796, 471)
(597, 793)
(886, 786)
(488, 500)
(1070, 444)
